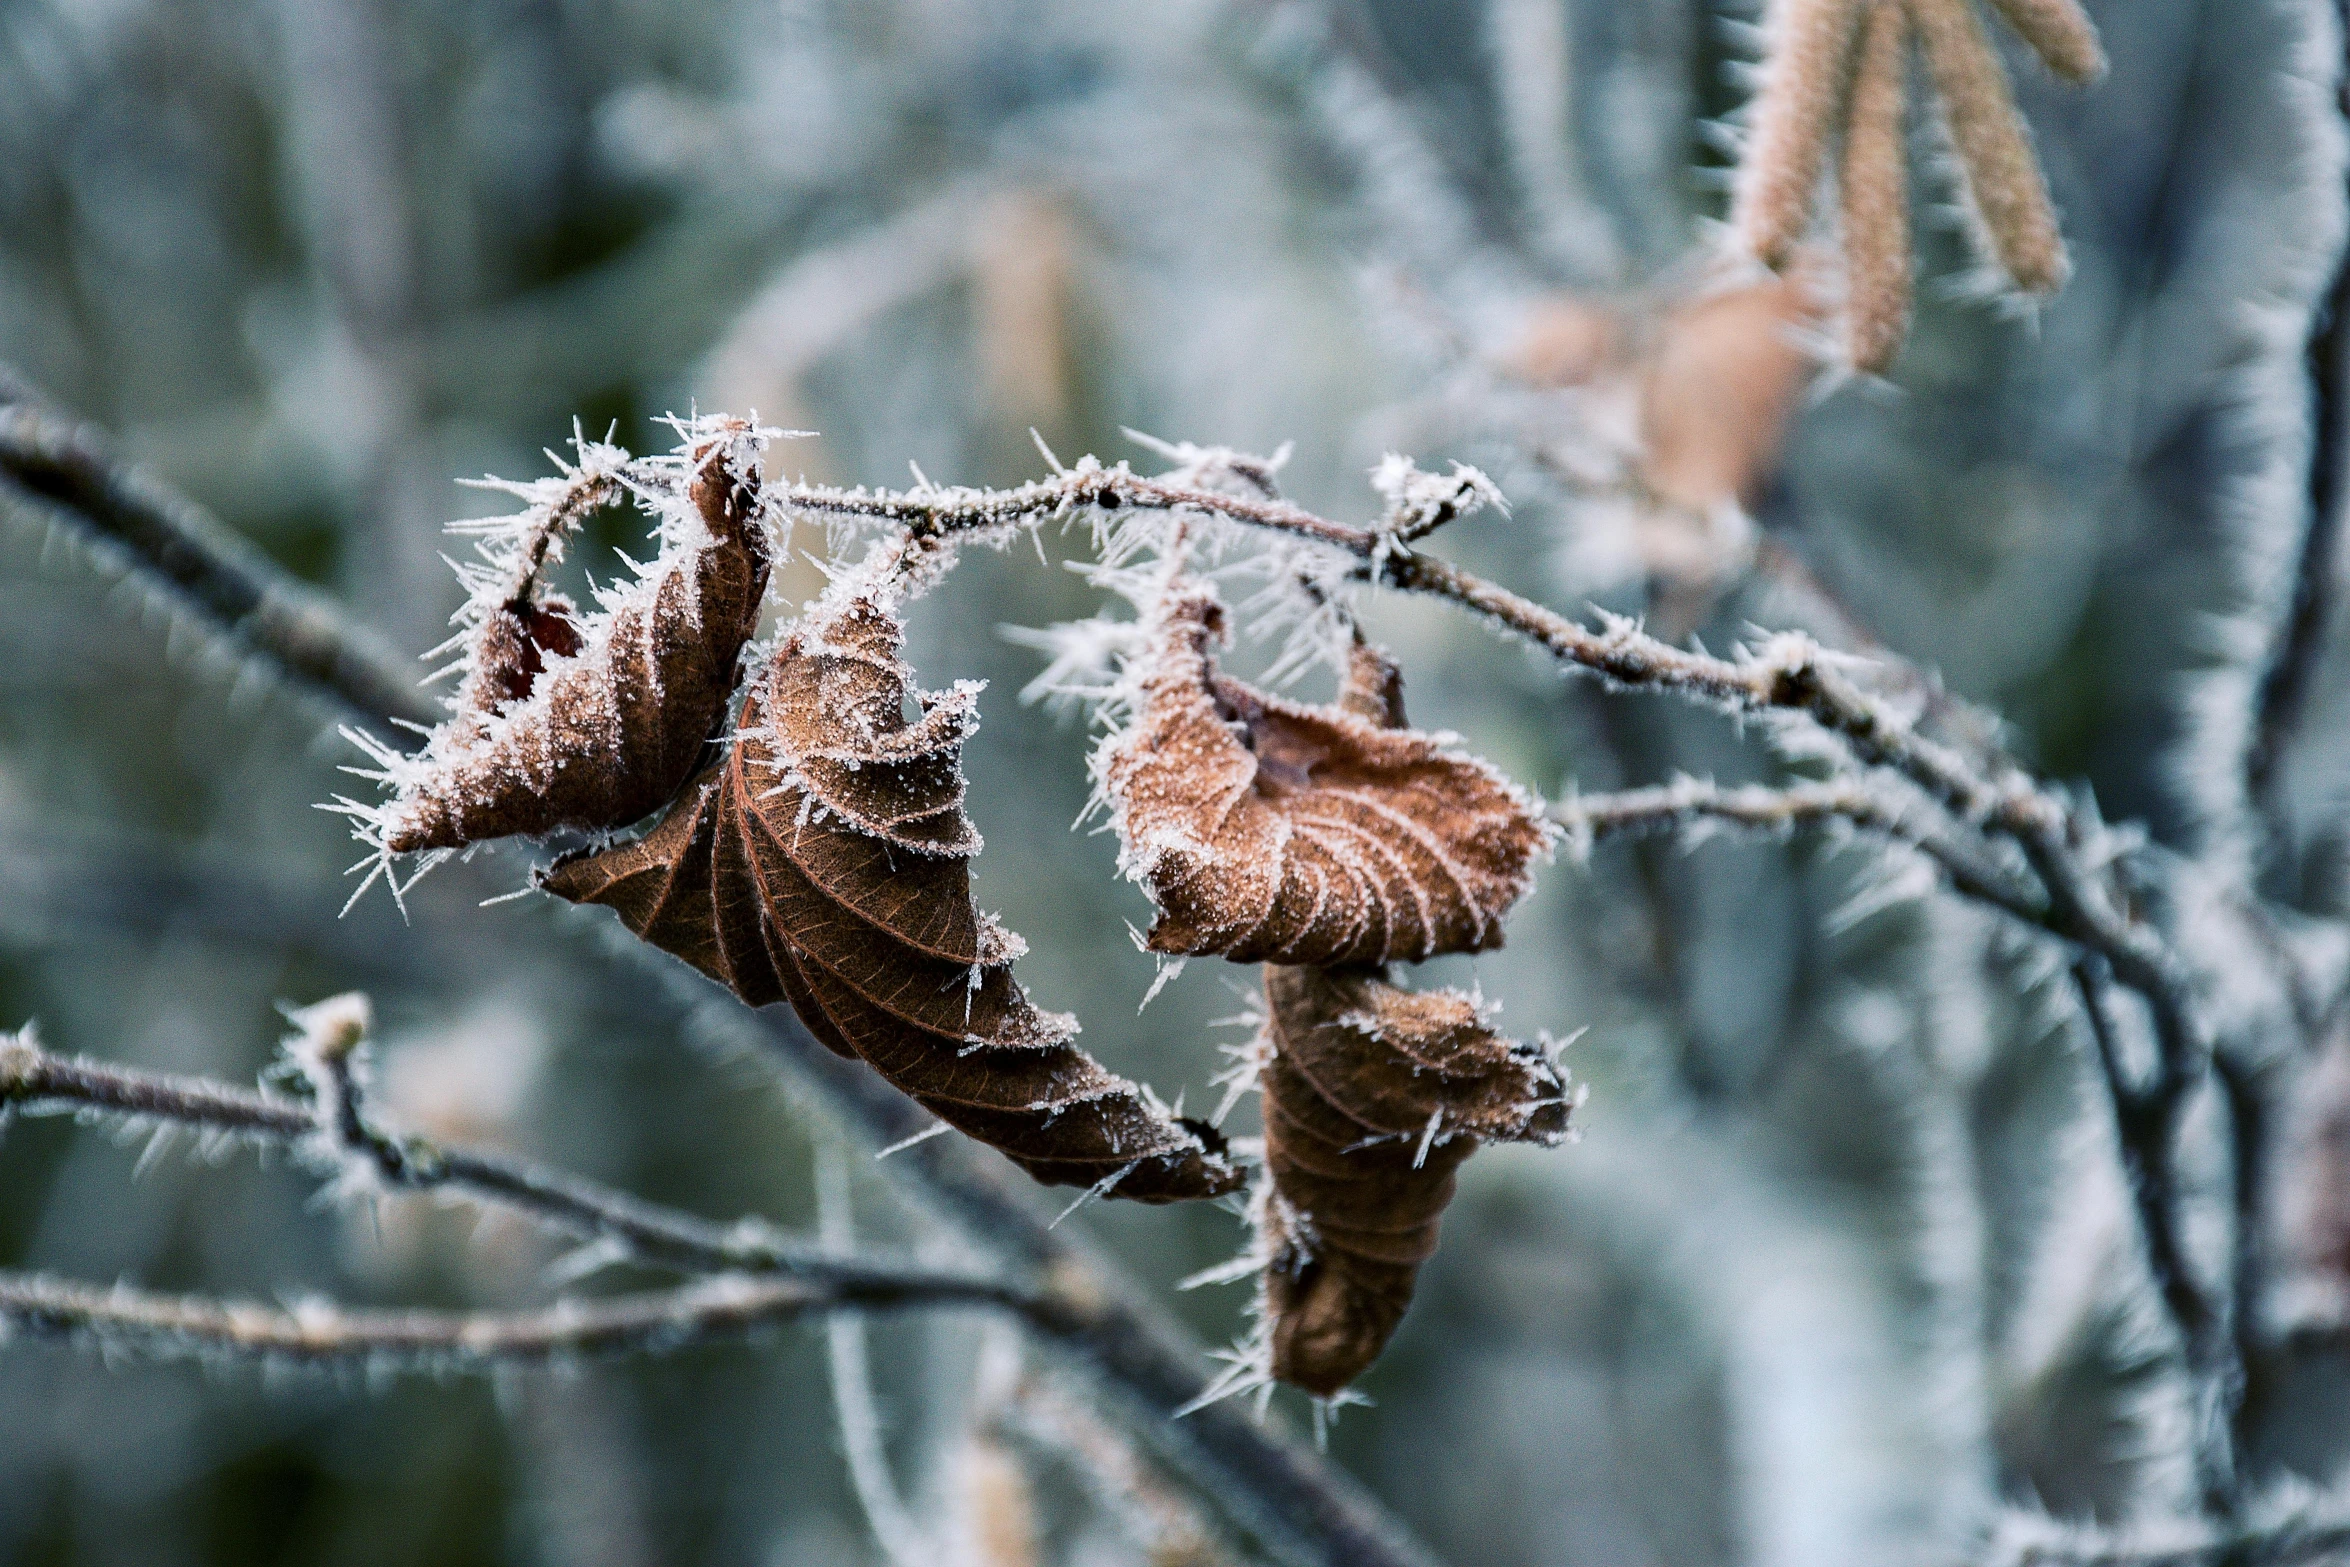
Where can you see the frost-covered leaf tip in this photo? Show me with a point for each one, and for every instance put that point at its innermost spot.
(591, 721)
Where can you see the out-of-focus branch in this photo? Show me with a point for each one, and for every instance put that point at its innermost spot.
(336, 1136)
(1687, 802)
(1298, 1507)
(902, 1540)
(2284, 690)
(2146, 1122)
(1042, 1416)
(2293, 1542)
(708, 1310)
(205, 566)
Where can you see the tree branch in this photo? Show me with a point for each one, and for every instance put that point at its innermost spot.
(1788, 677)
(337, 1138)
(2301, 640)
(2291, 1542)
(725, 1307)
(2146, 1121)
(207, 568)
(1688, 801)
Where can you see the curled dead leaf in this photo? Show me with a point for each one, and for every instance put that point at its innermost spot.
(1270, 831)
(592, 721)
(1718, 389)
(1373, 1097)
(827, 862)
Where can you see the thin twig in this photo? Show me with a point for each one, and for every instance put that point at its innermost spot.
(705, 1311)
(892, 1522)
(1788, 678)
(569, 1204)
(1687, 801)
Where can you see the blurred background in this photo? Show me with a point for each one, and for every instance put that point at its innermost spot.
(1841, 1263)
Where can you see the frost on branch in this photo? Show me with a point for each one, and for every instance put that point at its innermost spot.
(1373, 1097)
(827, 862)
(589, 721)
(1270, 831)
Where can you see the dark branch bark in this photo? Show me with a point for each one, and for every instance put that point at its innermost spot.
(2146, 1121)
(207, 567)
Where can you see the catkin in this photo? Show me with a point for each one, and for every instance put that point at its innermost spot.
(1875, 193)
(2002, 176)
(1795, 117)
(2061, 33)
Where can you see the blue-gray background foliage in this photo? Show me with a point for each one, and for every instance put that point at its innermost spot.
(1841, 1264)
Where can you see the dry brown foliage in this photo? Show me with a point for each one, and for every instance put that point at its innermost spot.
(1271, 831)
(1717, 392)
(1373, 1097)
(1712, 379)
(564, 720)
(827, 862)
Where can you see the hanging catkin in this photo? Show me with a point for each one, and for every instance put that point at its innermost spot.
(827, 862)
(1270, 831)
(1839, 69)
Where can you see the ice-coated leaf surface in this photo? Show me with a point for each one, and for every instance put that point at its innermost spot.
(1373, 1096)
(827, 862)
(1271, 831)
(591, 721)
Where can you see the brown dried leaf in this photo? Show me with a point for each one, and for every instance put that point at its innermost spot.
(828, 863)
(1373, 1098)
(1716, 393)
(595, 721)
(1270, 831)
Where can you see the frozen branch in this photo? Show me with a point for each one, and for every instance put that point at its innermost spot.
(147, 528)
(2146, 1125)
(902, 1540)
(335, 1135)
(1689, 802)
(2291, 1542)
(709, 1310)
(2301, 641)
(1789, 678)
